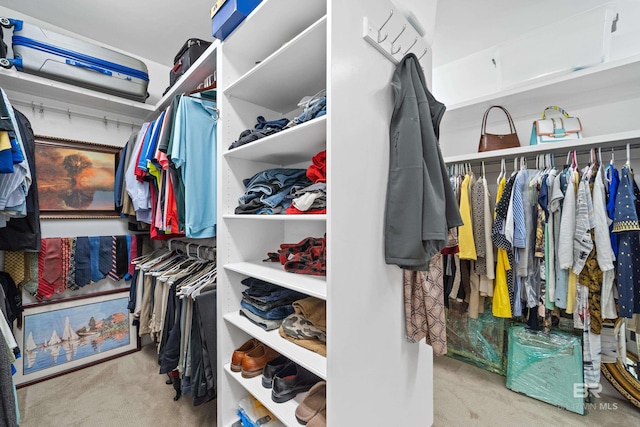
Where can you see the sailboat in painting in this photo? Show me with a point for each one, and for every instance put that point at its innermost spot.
(30, 350)
(55, 339)
(31, 344)
(68, 334)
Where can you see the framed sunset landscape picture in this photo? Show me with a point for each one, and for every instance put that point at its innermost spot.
(75, 179)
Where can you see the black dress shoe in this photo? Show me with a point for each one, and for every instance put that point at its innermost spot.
(271, 368)
(291, 380)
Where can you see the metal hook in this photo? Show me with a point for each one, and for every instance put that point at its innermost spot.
(33, 107)
(380, 29)
(413, 44)
(423, 54)
(105, 120)
(69, 113)
(404, 27)
(118, 124)
(41, 108)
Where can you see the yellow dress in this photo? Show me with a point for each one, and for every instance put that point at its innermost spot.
(501, 306)
(466, 242)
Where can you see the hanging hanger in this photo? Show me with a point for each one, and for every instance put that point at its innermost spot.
(608, 172)
(503, 171)
(483, 171)
(628, 164)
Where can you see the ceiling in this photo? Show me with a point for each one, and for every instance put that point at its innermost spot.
(151, 29)
(156, 29)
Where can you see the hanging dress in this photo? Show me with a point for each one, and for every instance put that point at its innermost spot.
(626, 226)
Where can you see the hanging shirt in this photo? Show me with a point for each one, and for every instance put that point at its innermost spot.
(465, 231)
(613, 178)
(138, 190)
(501, 306)
(193, 152)
(626, 225)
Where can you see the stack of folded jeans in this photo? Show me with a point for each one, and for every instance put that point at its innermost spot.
(307, 326)
(266, 304)
(312, 199)
(263, 128)
(269, 191)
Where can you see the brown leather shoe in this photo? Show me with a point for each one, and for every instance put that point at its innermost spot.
(239, 353)
(254, 361)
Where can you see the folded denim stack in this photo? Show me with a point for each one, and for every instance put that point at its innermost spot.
(266, 304)
(309, 256)
(307, 326)
(262, 128)
(271, 191)
(312, 199)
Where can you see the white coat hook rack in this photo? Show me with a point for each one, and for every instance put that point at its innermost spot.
(405, 35)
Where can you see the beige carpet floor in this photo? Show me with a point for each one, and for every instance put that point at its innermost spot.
(129, 392)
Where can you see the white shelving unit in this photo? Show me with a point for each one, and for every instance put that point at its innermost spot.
(611, 140)
(265, 69)
(21, 84)
(604, 82)
(601, 96)
(285, 412)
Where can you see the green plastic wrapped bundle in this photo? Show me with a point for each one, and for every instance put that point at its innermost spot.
(547, 367)
(480, 342)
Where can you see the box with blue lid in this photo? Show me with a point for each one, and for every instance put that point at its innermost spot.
(226, 15)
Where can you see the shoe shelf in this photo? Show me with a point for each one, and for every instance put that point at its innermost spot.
(263, 32)
(295, 145)
(315, 286)
(285, 412)
(619, 139)
(308, 359)
(293, 71)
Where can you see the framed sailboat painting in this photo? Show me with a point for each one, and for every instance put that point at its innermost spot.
(61, 337)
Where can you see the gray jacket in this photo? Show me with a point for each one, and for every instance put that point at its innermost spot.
(421, 205)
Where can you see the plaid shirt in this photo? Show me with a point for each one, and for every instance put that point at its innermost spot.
(307, 257)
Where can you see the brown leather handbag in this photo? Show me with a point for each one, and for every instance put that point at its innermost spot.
(490, 141)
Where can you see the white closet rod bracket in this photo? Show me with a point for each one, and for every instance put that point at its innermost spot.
(395, 38)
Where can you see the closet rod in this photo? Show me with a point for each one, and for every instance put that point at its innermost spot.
(202, 251)
(39, 107)
(620, 146)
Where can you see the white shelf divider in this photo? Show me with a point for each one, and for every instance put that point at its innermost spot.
(301, 217)
(314, 362)
(315, 286)
(285, 412)
(294, 145)
(584, 144)
(276, 85)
